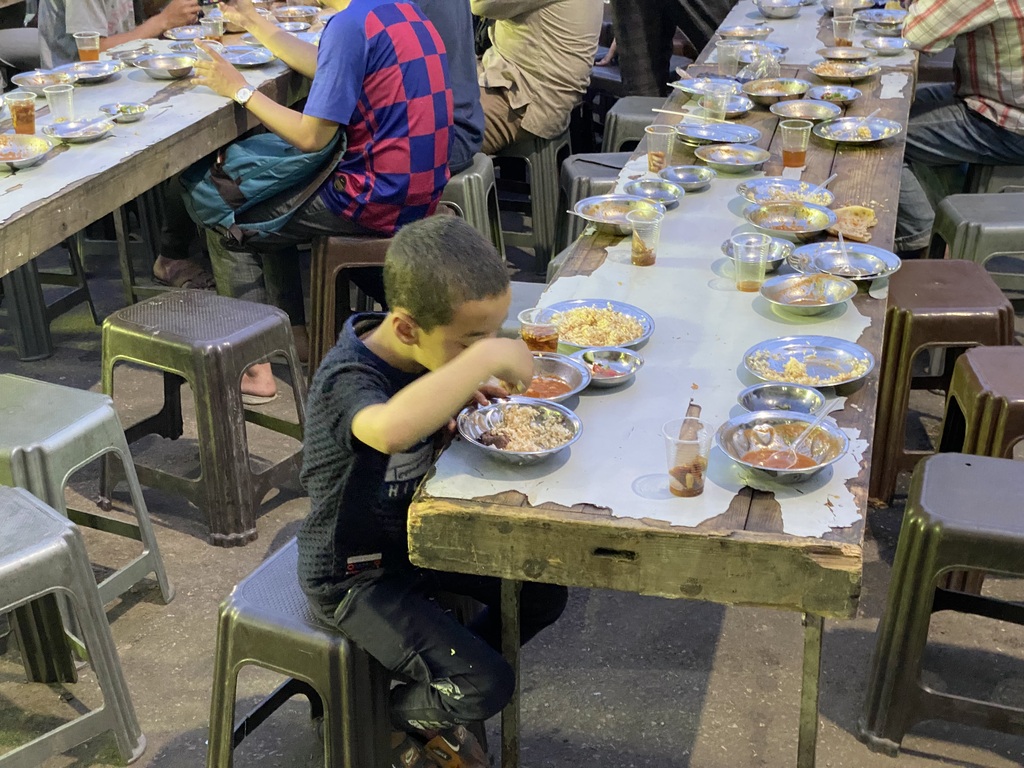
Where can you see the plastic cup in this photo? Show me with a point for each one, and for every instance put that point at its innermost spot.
(213, 28)
(23, 111)
(795, 135)
(728, 54)
(88, 45)
(646, 223)
(538, 329)
(659, 146)
(687, 447)
(749, 259)
(715, 100)
(842, 30)
(842, 8)
(60, 99)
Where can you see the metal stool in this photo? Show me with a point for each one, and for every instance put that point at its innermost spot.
(267, 621)
(932, 303)
(49, 432)
(625, 122)
(41, 556)
(985, 405)
(474, 196)
(582, 176)
(980, 228)
(542, 158)
(995, 178)
(962, 511)
(209, 341)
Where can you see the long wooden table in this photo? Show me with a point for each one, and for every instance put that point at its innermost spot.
(740, 553)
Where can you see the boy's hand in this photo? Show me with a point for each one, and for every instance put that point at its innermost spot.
(510, 360)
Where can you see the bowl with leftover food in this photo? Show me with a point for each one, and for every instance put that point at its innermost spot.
(801, 220)
(608, 212)
(80, 131)
(778, 9)
(817, 361)
(815, 110)
(843, 71)
(733, 158)
(659, 190)
(166, 66)
(125, 111)
(92, 71)
(886, 46)
(781, 397)
(778, 252)
(610, 366)
(776, 189)
(38, 79)
(745, 32)
(520, 430)
(305, 14)
(857, 130)
(771, 90)
(557, 377)
(20, 151)
(834, 94)
(692, 178)
(807, 295)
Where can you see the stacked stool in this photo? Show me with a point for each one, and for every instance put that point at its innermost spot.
(42, 556)
(542, 158)
(995, 178)
(625, 122)
(209, 341)
(962, 512)
(979, 228)
(582, 176)
(267, 621)
(474, 195)
(932, 303)
(985, 404)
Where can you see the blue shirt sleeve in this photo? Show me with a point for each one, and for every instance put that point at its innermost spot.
(340, 68)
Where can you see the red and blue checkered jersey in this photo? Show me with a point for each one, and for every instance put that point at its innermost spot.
(382, 73)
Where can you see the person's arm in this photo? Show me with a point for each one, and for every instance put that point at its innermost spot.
(425, 406)
(297, 54)
(506, 9)
(932, 25)
(177, 13)
(304, 132)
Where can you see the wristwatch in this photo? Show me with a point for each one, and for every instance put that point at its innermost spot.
(243, 94)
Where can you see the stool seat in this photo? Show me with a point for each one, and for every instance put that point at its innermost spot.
(473, 193)
(985, 405)
(962, 512)
(42, 556)
(980, 228)
(267, 621)
(209, 341)
(625, 122)
(949, 304)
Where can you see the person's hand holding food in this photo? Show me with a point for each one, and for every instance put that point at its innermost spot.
(240, 12)
(217, 74)
(179, 13)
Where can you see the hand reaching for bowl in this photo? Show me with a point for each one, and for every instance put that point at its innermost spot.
(217, 74)
(240, 12)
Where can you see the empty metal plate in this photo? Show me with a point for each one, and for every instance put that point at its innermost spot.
(860, 262)
(856, 130)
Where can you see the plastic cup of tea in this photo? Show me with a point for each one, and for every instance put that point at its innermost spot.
(842, 29)
(539, 329)
(646, 223)
(795, 135)
(728, 54)
(715, 100)
(22, 105)
(659, 146)
(213, 28)
(88, 45)
(60, 99)
(687, 447)
(749, 259)
(842, 8)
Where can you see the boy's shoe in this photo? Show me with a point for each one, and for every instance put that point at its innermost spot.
(406, 752)
(456, 748)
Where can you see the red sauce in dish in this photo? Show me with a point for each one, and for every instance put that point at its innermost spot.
(545, 387)
(769, 458)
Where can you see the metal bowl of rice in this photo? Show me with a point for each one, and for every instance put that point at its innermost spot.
(528, 430)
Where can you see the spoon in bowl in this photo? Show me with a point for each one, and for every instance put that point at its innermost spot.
(786, 458)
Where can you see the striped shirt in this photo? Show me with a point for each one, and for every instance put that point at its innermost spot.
(989, 40)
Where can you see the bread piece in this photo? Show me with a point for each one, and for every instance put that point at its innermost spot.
(854, 221)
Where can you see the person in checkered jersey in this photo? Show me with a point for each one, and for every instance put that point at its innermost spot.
(380, 76)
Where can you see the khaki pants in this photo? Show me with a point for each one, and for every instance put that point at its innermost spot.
(502, 123)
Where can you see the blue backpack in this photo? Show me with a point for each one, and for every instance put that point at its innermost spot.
(220, 190)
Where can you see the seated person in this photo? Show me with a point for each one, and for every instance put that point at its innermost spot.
(113, 19)
(382, 395)
(979, 120)
(538, 66)
(396, 122)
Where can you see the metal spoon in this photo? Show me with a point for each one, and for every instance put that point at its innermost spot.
(823, 184)
(791, 452)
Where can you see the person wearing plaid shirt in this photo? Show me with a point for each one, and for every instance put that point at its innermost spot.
(979, 119)
(380, 76)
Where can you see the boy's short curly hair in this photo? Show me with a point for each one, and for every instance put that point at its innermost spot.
(435, 265)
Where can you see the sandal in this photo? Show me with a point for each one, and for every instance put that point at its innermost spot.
(457, 748)
(409, 754)
(184, 273)
(248, 399)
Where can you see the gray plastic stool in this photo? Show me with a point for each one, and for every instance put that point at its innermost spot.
(980, 228)
(625, 122)
(42, 555)
(542, 158)
(962, 512)
(473, 194)
(995, 178)
(582, 176)
(209, 341)
(267, 621)
(48, 432)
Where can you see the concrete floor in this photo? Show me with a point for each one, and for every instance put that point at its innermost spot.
(620, 682)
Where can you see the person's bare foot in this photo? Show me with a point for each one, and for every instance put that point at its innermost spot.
(182, 273)
(258, 380)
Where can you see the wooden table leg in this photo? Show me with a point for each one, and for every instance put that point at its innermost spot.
(510, 650)
(813, 629)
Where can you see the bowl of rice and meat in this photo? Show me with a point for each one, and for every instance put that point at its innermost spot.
(520, 430)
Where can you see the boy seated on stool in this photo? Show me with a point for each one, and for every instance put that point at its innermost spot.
(380, 398)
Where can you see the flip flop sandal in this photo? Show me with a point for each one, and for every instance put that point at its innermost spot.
(248, 399)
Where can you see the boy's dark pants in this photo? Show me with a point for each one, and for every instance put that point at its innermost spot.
(452, 674)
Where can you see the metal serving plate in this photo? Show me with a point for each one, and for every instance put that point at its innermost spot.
(842, 71)
(474, 422)
(778, 252)
(125, 111)
(191, 32)
(857, 5)
(745, 32)
(573, 372)
(751, 48)
(887, 46)
(773, 89)
(695, 85)
(733, 158)
(806, 109)
(716, 133)
(844, 53)
(646, 321)
(610, 366)
(807, 295)
(659, 190)
(888, 16)
(737, 106)
(38, 79)
(19, 151)
(186, 46)
(855, 130)
(92, 71)
(862, 261)
(248, 56)
(776, 189)
(166, 66)
(611, 210)
(801, 220)
(692, 178)
(829, 361)
(834, 94)
(80, 131)
(885, 30)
